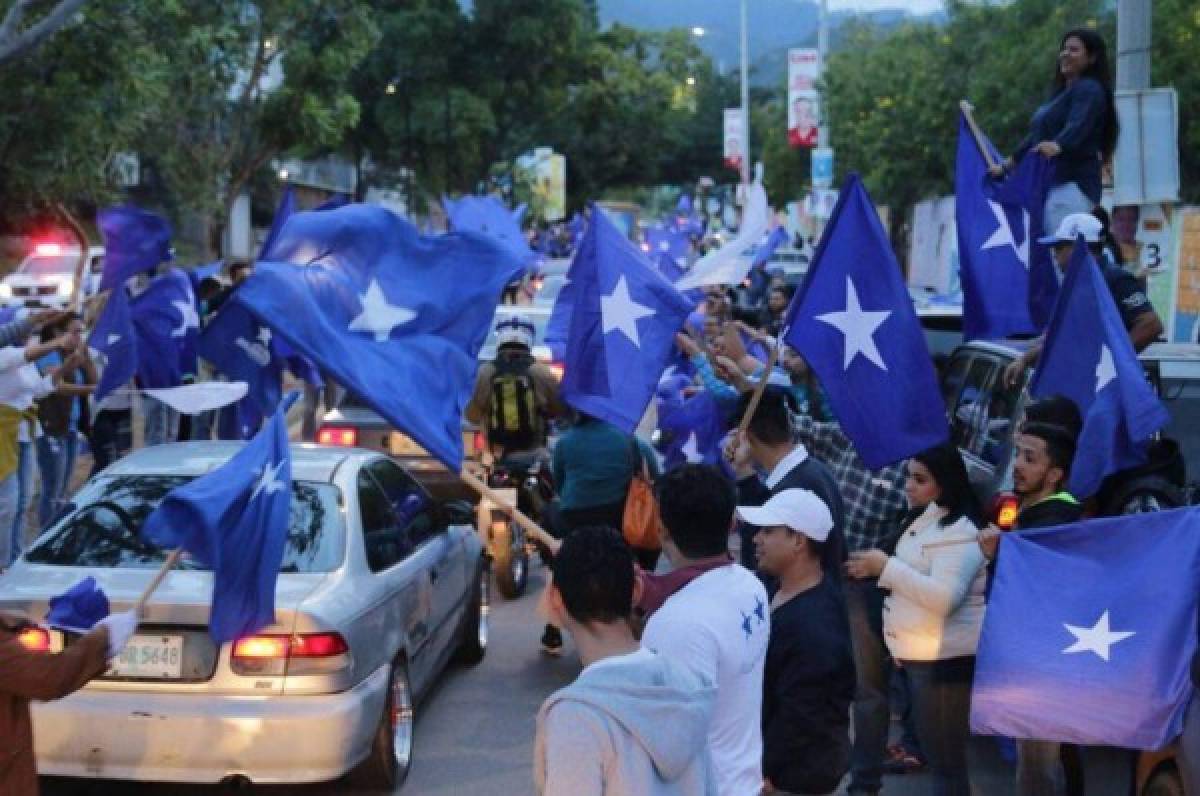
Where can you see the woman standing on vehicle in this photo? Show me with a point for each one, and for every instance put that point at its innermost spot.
(933, 616)
(1077, 127)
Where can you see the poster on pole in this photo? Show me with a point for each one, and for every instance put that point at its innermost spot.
(735, 139)
(804, 65)
(822, 167)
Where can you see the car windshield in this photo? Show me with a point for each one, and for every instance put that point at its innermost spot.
(102, 528)
(59, 265)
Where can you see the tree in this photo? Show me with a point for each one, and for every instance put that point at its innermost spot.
(1176, 51)
(17, 38)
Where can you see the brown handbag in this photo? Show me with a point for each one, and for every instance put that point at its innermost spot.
(639, 524)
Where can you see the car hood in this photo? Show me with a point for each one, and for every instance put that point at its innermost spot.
(184, 597)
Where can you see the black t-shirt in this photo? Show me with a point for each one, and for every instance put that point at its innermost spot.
(1127, 293)
(808, 685)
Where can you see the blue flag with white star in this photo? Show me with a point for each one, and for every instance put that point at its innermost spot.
(1088, 358)
(1022, 194)
(623, 319)
(241, 348)
(692, 429)
(166, 323)
(854, 322)
(763, 253)
(661, 239)
(487, 215)
(234, 521)
(994, 249)
(114, 337)
(1089, 632)
(134, 241)
(395, 317)
(285, 210)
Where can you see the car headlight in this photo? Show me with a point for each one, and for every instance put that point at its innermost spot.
(65, 287)
(5, 290)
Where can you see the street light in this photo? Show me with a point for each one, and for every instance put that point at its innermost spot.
(691, 81)
(283, 175)
(390, 88)
(698, 31)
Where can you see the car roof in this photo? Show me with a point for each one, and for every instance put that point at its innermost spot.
(309, 462)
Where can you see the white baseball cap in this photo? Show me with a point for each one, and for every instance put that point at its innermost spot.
(798, 509)
(1073, 226)
(515, 330)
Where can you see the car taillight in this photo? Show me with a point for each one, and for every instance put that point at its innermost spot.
(302, 653)
(478, 443)
(1005, 508)
(35, 639)
(48, 249)
(338, 436)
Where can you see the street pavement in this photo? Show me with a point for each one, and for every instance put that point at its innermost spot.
(474, 732)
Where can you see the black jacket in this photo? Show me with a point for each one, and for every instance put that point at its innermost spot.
(1052, 511)
(808, 685)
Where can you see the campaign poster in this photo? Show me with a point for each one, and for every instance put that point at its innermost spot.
(803, 115)
(735, 140)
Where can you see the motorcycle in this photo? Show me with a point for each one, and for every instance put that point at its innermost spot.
(524, 479)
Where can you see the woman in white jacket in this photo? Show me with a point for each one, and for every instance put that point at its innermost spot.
(932, 618)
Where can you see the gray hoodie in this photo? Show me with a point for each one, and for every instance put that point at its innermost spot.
(635, 725)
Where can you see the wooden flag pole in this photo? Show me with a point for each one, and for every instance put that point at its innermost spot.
(968, 113)
(80, 264)
(759, 389)
(532, 528)
(172, 559)
(948, 543)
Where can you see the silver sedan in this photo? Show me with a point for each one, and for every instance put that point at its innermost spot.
(380, 586)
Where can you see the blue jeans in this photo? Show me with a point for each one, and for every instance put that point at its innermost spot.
(8, 506)
(52, 456)
(872, 667)
(1189, 748)
(1106, 770)
(162, 422)
(25, 469)
(941, 702)
(112, 437)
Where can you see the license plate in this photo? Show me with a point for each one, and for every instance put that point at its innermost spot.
(401, 445)
(156, 657)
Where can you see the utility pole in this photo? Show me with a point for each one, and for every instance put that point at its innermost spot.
(745, 98)
(1133, 44)
(822, 52)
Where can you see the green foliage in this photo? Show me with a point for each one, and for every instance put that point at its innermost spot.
(1175, 53)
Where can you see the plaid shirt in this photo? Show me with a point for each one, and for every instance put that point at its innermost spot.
(874, 500)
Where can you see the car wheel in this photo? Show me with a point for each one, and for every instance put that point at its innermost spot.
(474, 642)
(510, 560)
(390, 758)
(1144, 495)
(1164, 782)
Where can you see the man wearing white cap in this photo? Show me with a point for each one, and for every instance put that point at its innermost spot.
(1140, 319)
(809, 678)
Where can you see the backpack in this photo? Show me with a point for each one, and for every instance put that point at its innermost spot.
(515, 420)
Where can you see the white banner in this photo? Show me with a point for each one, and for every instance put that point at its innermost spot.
(804, 108)
(192, 399)
(726, 265)
(735, 140)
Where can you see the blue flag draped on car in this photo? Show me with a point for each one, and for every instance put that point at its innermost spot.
(488, 216)
(241, 348)
(623, 321)
(1088, 358)
(234, 520)
(994, 248)
(166, 322)
(115, 338)
(1090, 631)
(393, 316)
(853, 320)
(134, 241)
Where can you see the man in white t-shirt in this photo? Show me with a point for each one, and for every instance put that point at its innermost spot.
(717, 623)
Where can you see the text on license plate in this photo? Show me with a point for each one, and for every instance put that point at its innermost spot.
(149, 656)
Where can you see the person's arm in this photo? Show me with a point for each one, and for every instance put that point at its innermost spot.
(683, 641)
(42, 676)
(558, 465)
(477, 408)
(1083, 114)
(1145, 330)
(15, 332)
(547, 387)
(943, 590)
(576, 746)
(719, 389)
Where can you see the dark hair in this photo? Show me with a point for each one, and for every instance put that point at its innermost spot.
(1060, 444)
(1056, 410)
(593, 571)
(52, 330)
(1099, 71)
(945, 464)
(787, 290)
(696, 504)
(1107, 241)
(772, 421)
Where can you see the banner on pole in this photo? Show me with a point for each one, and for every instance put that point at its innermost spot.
(804, 64)
(735, 138)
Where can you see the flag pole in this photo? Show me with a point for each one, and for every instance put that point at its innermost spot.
(81, 263)
(759, 389)
(532, 528)
(139, 607)
(968, 112)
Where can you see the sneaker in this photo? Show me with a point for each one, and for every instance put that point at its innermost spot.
(552, 641)
(902, 761)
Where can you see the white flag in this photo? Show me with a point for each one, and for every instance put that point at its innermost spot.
(726, 265)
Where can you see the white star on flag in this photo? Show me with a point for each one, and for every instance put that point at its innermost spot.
(113, 338)
(1003, 236)
(268, 481)
(859, 328)
(1106, 371)
(691, 450)
(188, 319)
(620, 312)
(1098, 638)
(378, 316)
